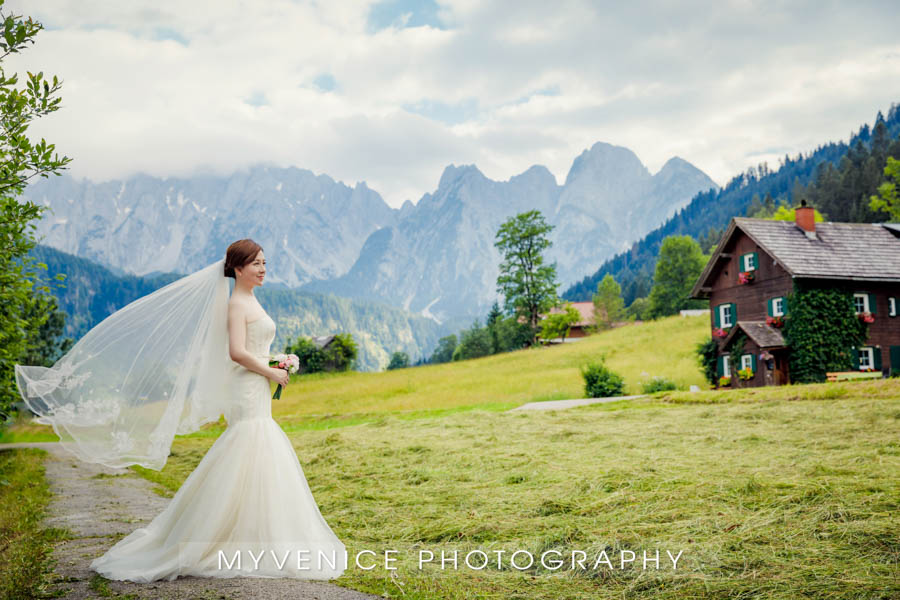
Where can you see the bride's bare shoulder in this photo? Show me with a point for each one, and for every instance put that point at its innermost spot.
(238, 308)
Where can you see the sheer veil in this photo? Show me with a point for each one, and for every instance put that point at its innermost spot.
(154, 368)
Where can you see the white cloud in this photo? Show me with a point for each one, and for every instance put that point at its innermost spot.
(165, 87)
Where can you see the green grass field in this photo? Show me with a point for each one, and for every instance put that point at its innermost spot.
(789, 492)
(765, 497)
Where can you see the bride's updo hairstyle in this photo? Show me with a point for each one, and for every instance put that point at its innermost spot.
(240, 253)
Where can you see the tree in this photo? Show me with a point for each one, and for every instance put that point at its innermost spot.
(46, 343)
(638, 309)
(680, 264)
(493, 320)
(513, 335)
(783, 213)
(444, 351)
(473, 343)
(527, 284)
(887, 199)
(609, 307)
(20, 161)
(340, 353)
(399, 360)
(557, 325)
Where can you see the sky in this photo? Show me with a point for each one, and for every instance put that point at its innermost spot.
(391, 92)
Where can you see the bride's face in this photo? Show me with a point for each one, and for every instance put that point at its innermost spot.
(253, 272)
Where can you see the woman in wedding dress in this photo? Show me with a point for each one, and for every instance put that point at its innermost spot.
(246, 510)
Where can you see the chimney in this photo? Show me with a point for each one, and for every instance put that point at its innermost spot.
(805, 217)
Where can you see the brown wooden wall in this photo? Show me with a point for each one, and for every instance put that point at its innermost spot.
(751, 298)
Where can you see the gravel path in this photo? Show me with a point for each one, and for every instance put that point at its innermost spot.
(100, 505)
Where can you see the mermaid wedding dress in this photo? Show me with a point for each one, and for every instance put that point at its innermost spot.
(246, 510)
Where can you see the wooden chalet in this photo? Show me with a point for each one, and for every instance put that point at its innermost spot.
(579, 329)
(754, 268)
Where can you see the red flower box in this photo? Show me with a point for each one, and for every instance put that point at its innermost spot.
(777, 322)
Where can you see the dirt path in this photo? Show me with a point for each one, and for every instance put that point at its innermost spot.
(100, 505)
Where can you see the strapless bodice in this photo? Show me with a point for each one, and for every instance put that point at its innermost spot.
(260, 334)
(251, 392)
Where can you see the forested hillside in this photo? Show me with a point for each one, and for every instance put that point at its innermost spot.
(93, 292)
(837, 178)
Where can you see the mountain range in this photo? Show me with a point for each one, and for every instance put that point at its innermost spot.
(435, 257)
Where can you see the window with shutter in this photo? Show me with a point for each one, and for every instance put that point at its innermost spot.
(866, 358)
(861, 302)
(748, 261)
(725, 315)
(777, 307)
(747, 361)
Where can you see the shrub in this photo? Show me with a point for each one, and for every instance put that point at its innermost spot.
(601, 382)
(399, 360)
(707, 353)
(658, 384)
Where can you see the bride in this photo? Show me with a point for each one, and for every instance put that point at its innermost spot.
(173, 361)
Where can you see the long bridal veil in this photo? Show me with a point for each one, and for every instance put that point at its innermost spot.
(154, 368)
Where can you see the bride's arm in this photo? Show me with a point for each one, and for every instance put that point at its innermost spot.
(237, 349)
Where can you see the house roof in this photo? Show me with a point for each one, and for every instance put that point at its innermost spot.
(322, 340)
(585, 309)
(845, 251)
(763, 334)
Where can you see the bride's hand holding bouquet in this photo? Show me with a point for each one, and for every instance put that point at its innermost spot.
(290, 363)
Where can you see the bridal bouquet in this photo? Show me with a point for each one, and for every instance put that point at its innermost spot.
(288, 362)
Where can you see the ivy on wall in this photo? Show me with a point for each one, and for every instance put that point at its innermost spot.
(821, 331)
(707, 355)
(737, 349)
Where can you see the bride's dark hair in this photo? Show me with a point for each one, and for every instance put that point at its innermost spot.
(240, 253)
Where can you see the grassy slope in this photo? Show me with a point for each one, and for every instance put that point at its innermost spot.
(638, 352)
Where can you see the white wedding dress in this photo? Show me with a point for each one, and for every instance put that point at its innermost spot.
(246, 510)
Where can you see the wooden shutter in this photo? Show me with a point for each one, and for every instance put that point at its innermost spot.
(876, 358)
(872, 303)
(733, 314)
(770, 307)
(717, 314)
(854, 358)
(784, 306)
(895, 359)
(720, 368)
(753, 362)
